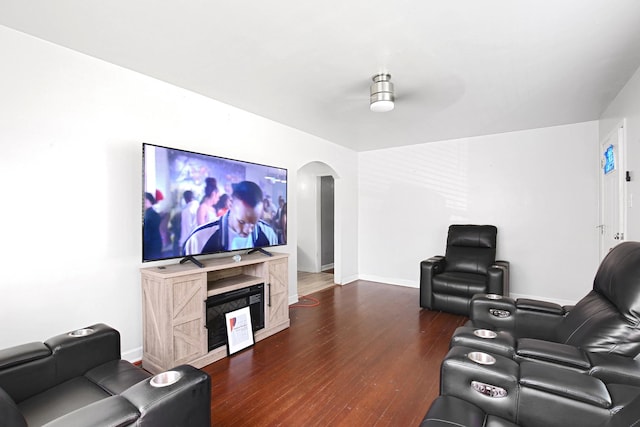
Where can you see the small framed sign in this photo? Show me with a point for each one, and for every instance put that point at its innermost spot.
(239, 330)
(609, 160)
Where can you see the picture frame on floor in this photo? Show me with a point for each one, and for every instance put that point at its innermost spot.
(239, 330)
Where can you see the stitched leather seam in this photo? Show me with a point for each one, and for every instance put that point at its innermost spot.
(581, 325)
(478, 368)
(444, 421)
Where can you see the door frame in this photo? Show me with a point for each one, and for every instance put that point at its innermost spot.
(619, 132)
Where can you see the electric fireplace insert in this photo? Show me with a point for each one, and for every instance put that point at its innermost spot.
(218, 305)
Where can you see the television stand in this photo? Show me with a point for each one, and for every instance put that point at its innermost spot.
(193, 260)
(174, 306)
(261, 250)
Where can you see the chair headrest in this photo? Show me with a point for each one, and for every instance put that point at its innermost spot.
(476, 236)
(618, 278)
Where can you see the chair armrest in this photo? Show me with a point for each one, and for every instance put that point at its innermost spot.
(26, 369)
(499, 278)
(75, 355)
(553, 352)
(429, 268)
(437, 263)
(614, 368)
(553, 395)
(462, 377)
(186, 402)
(495, 313)
(112, 411)
(496, 280)
(21, 354)
(502, 343)
(453, 411)
(540, 306)
(565, 383)
(538, 319)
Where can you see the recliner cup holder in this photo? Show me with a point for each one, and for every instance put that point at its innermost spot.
(165, 379)
(481, 358)
(81, 332)
(493, 296)
(485, 333)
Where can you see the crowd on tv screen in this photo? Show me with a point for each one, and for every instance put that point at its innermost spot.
(210, 218)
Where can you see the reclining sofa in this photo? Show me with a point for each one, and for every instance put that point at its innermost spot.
(77, 379)
(602, 327)
(532, 363)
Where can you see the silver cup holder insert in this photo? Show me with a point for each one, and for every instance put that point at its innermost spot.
(165, 379)
(81, 332)
(494, 296)
(485, 333)
(481, 358)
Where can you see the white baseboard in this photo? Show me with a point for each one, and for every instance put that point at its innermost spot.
(348, 279)
(414, 284)
(134, 355)
(390, 281)
(326, 267)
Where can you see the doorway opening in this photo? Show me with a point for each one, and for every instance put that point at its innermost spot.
(316, 228)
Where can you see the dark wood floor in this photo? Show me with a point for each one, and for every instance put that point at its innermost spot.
(367, 355)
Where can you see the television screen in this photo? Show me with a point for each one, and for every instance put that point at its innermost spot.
(196, 204)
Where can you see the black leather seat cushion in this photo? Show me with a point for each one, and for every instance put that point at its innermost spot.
(463, 284)
(59, 400)
(116, 376)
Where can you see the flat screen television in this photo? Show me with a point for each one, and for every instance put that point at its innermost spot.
(199, 204)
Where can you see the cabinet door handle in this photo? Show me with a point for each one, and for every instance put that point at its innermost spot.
(269, 301)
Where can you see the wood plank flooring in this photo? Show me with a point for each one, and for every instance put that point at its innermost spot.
(309, 283)
(367, 355)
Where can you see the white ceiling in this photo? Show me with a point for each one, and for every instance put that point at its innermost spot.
(460, 67)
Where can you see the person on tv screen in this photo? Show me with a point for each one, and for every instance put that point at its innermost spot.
(223, 205)
(151, 229)
(239, 228)
(206, 212)
(188, 216)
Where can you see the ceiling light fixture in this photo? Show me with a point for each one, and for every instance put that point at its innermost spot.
(382, 97)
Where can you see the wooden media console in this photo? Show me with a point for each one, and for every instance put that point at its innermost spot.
(174, 306)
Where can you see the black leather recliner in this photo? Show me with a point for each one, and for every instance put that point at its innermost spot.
(602, 326)
(78, 379)
(469, 267)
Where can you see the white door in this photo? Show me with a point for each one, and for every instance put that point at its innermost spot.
(612, 191)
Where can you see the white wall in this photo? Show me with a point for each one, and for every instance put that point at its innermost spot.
(539, 187)
(308, 222)
(626, 106)
(72, 129)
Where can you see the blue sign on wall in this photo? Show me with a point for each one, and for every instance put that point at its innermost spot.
(609, 161)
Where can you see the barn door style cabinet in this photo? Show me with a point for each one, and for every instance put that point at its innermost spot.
(174, 306)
